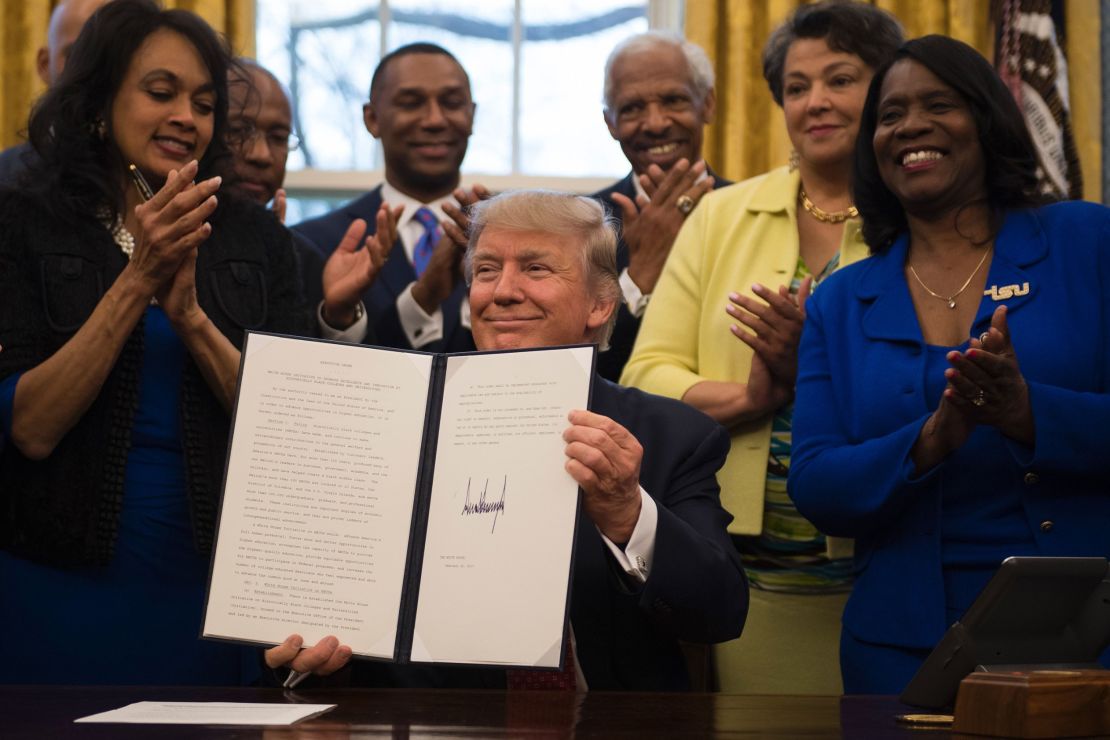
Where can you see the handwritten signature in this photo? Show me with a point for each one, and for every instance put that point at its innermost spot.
(483, 506)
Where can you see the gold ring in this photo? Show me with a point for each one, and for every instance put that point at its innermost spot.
(685, 204)
(980, 399)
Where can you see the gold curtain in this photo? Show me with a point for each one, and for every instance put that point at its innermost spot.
(748, 136)
(23, 25)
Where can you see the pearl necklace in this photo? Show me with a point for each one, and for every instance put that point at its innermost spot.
(825, 217)
(123, 238)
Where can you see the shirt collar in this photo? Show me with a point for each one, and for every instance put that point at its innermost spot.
(777, 192)
(395, 197)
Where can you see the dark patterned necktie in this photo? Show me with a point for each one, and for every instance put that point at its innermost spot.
(422, 254)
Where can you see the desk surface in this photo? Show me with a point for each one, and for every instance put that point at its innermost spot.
(48, 712)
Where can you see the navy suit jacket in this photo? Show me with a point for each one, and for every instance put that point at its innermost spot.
(381, 297)
(627, 635)
(611, 362)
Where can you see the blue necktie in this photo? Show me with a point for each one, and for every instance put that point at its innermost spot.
(427, 242)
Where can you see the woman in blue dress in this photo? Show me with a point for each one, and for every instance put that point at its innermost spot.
(120, 322)
(954, 388)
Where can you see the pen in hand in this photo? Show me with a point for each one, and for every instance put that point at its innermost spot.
(294, 678)
(140, 183)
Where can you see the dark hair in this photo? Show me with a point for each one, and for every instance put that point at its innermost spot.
(846, 26)
(419, 47)
(80, 168)
(1008, 154)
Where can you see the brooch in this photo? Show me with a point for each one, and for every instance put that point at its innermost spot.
(1006, 291)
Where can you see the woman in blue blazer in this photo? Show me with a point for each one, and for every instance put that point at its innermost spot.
(954, 388)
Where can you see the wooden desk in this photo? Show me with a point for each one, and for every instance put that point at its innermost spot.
(38, 713)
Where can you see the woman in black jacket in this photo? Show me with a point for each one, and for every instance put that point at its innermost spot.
(121, 320)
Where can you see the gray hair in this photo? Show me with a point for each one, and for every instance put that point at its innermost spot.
(557, 213)
(698, 65)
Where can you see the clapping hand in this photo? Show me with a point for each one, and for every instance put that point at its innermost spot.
(775, 326)
(467, 198)
(278, 206)
(350, 269)
(172, 225)
(772, 328)
(986, 383)
(458, 228)
(985, 386)
(650, 225)
(444, 270)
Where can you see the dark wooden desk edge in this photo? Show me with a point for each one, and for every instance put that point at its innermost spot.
(49, 711)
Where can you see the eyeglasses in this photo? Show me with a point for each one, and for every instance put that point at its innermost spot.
(244, 135)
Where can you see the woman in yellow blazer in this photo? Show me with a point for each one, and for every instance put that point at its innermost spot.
(722, 329)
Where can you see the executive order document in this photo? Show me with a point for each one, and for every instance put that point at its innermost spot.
(414, 505)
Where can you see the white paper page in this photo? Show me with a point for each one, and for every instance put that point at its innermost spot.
(497, 555)
(318, 501)
(208, 713)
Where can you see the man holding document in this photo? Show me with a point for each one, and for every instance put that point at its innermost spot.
(653, 563)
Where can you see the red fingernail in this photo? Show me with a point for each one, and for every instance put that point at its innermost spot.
(972, 353)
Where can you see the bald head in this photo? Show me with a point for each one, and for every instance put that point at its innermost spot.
(66, 23)
(260, 119)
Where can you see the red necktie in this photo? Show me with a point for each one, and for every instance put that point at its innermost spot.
(549, 680)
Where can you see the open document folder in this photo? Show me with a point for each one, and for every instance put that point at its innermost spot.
(414, 505)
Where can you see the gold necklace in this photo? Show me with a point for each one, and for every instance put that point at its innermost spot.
(825, 217)
(951, 300)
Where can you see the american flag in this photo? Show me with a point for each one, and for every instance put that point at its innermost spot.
(1031, 62)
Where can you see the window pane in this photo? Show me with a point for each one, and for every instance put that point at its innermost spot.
(326, 50)
(336, 46)
(479, 34)
(562, 71)
(302, 208)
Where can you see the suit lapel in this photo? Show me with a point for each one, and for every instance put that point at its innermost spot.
(891, 315)
(1020, 243)
(718, 181)
(397, 273)
(626, 187)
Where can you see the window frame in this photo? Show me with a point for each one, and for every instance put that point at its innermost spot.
(663, 15)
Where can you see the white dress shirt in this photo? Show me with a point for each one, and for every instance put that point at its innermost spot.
(635, 558)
